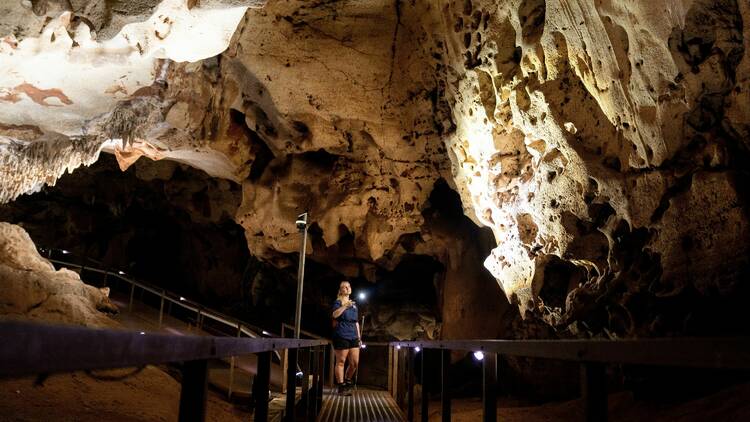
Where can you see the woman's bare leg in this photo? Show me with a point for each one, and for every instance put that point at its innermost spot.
(353, 362)
(340, 360)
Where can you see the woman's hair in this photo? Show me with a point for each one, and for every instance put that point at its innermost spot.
(339, 295)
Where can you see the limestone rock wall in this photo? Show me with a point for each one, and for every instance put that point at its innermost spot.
(349, 112)
(93, 72)
(604, 143)
(31, 288)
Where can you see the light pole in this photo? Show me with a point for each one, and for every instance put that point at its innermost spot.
(302, 227)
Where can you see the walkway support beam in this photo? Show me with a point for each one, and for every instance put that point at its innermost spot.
(291, 385)
(260, 387)
(410, 385)
(193, 393)
(445, 397)
(425, 394)
(489, 387)
(594, 391)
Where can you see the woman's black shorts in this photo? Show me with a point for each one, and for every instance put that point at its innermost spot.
(345, 343)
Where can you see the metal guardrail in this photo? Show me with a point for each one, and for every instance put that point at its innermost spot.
(166, 296)
(32, 348)
(285, 363)
(593, 355)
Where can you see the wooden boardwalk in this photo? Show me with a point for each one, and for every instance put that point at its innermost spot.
(364, 405)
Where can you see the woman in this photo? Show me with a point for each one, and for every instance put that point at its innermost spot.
(346, 337)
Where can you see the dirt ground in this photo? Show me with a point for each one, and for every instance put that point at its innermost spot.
(732, 404)
(151, 395)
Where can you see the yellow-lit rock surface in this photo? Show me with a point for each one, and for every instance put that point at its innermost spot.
(604, 143)
(32, 289)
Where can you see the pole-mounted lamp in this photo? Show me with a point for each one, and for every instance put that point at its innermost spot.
(301, 224)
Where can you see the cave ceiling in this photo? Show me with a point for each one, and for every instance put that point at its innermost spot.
(604, 143)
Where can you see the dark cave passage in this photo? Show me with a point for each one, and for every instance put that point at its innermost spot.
(160, 222)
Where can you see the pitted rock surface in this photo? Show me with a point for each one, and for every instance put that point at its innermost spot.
(604, 143)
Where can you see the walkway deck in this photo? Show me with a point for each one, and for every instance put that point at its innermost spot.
(364, 405)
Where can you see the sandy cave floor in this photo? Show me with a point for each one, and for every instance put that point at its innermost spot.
(730, 404)
(153, 395)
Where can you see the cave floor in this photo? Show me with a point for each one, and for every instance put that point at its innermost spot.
(153, 396)
(730, 404)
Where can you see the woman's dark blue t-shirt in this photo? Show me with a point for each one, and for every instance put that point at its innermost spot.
(346, 326)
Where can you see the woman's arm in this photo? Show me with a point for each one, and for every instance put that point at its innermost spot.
(359, 336)
(340, 310)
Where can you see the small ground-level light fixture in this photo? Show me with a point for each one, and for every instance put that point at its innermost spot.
(417, 349)
(121, 272)
(65, 251)
(143, 332)
(182, 298)
(265, 333)
(398, 347)
(478, 355)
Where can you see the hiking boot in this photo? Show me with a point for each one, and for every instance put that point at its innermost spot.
(344, 390)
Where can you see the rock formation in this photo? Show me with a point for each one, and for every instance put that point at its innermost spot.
(601, 142)
(604, 143)
(33, 289)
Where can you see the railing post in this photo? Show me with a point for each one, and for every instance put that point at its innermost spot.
(489, 387)
(410, 384)
(425, 395)
(104, 280)
(331, 367)
(132, 294)
(161, 308)
(260, 386)
(305, 397)
(390, 370)
(400, 377)
(193, 393)
(231, 366)
(284, 363)
(319, 391)
(445, 398)
(291, 384)
(594, 391)
(313, 402)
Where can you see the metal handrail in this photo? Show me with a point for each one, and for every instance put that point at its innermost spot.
(730, 353)
(80, 348)
(171, 297)
(593, 355)
(34, 348)
(167, 296)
